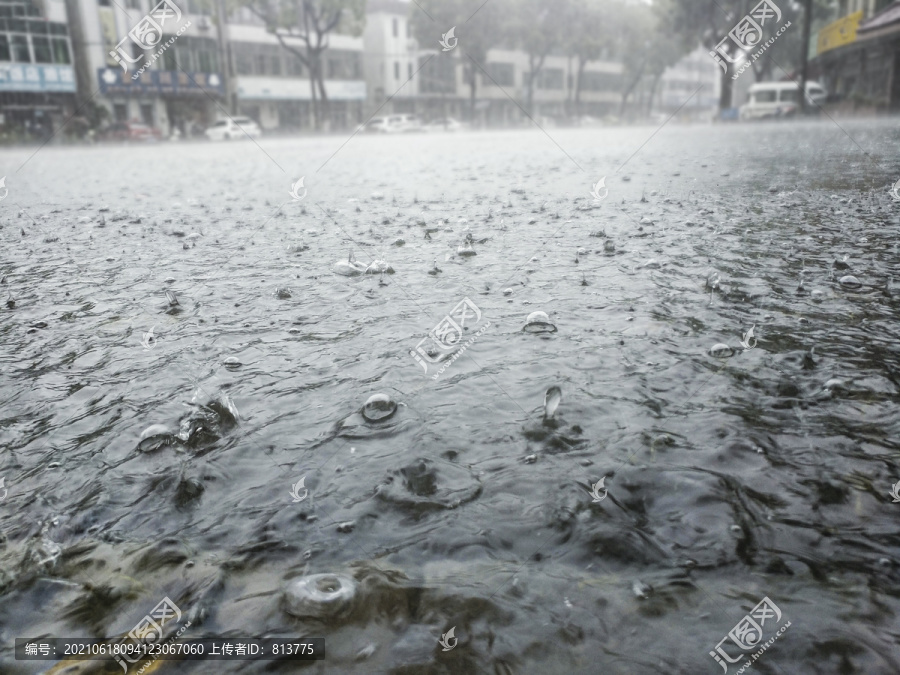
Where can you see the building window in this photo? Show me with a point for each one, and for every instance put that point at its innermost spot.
(147, 114)
(260, 64)
(60, 51)
(396, 70)
(243, 63)
(20, 49)
(134, 4)
(41, 47)
(4, 48)
(408, 31)
(550, 78)
(170, 62)
(409, 70)
(120, 111)
(501, 73)
(275, 60)
(396, 27)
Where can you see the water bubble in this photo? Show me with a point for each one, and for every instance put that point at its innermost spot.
(379, 267)
(538, 322)
(507, 291)
(349, 267)
(154, 437)
(640, 589)
(609, 246)
(320, 596)
(282, 293)
(721, 351)
(552, 397)
(465, 249)
(378, 408)
(849, 281)
(232, 363)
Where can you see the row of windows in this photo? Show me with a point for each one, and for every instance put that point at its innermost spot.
(18, 9)
(34, 27)
(193, 55)
(504, 75)
(395, 26)
(33, 49)
(274, 61)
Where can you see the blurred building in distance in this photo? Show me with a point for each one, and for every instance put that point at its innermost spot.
(403, 76)
(273, 86)
(857, 56)
(690, 89)
(37, 80)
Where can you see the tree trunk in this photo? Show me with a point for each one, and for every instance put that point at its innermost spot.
(630, 88)
(326, 108)
(653, 93)
(582, 62)
(472, 87)
(314, 101)
(725, 95)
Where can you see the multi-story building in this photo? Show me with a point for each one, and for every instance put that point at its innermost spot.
(273, 85)
(153, 61)
(403, 76)
(165, 63)
(858, 56)
(391, 57)
(37, 81)
(690, 88)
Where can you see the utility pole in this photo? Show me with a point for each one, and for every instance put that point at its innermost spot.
(804, 60)
(84, 83)
(225, 58)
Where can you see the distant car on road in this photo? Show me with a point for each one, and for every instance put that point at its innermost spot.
(236, 128)
(779, 99)
(443, 124)
(131, 131)
(393, 124)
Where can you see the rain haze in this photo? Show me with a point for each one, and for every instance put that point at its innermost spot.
(449, 337)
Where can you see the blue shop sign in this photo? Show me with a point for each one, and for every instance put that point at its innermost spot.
(34, 77)
(156, 82)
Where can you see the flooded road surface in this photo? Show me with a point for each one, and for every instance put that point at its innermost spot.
(191, 358)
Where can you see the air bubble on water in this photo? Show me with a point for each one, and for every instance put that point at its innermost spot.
(378, 407)
(721, 351)
(538, 322)
(320, 596)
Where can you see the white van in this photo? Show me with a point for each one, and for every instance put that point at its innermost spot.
(779, 99)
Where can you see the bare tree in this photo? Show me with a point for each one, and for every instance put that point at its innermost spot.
(302, 28)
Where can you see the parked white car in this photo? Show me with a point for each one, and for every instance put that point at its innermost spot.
(394, 124)
(443, 124)
(778, 99)
(236, 128)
